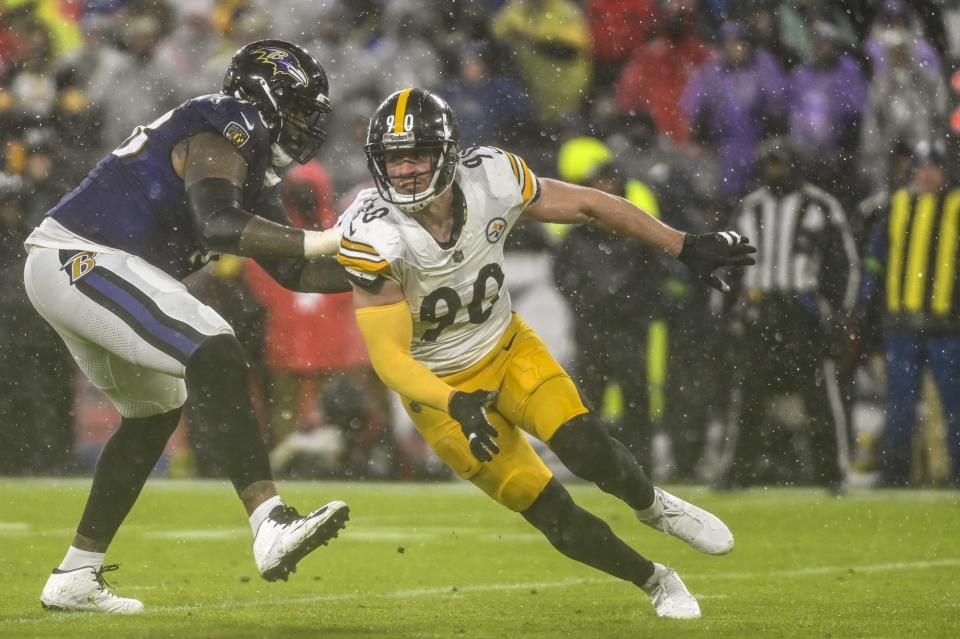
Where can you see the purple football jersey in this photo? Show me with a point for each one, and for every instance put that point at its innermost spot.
(134, 201)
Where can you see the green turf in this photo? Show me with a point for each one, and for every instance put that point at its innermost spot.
(443, 561)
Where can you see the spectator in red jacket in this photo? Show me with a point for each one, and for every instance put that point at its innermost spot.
(308, 338)
(643, 85)
(618, 28)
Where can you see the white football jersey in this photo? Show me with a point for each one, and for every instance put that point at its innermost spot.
(456, 293)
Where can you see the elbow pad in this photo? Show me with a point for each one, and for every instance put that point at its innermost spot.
(214, 205)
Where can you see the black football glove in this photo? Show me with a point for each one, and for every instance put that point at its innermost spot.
(703, 254)
(470, 410)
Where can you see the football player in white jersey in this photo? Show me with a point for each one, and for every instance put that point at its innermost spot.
(424, 251)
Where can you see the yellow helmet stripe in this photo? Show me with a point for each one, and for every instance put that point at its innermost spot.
(401, 111)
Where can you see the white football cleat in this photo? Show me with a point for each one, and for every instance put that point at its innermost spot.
(669, 596)
(697, 527)
(284, 537)
(85, 589)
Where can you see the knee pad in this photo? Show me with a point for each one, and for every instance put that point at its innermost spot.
(172, 399)
(521, 489)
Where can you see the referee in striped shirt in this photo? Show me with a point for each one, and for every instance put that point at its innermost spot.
(789, 313)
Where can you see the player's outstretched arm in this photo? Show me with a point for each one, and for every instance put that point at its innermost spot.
(213, 174)
(564, 203)
(387, 328)
(322, 275)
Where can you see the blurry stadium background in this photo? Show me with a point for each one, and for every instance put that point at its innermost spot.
(671, 97)
(667, 100)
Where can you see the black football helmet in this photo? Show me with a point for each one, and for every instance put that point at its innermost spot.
(414, 119)
(289, 88)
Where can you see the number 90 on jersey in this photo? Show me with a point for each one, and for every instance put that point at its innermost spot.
(444, 316)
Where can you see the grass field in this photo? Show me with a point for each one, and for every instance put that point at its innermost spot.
(441, 560)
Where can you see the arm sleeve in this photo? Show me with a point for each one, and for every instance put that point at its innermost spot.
(214, 205)
(875, 263)
(285, 270)
(387, 331)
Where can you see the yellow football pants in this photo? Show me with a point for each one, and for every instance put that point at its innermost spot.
(536, 395)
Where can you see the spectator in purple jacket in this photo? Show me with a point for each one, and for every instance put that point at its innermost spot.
(827, 100)
(734, 101)
(489, 106)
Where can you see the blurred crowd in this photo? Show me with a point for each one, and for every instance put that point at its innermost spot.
(825, 131)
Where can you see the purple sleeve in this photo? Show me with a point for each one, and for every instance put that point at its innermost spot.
(853, 88)
(926, 57)
(695, 94)
(774, 82)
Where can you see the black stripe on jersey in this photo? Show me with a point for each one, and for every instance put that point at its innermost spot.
(536, 194)
(522, 181)
(905, 256)
(804, 204)
(760, 241)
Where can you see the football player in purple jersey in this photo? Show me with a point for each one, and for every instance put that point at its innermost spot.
(104, 268)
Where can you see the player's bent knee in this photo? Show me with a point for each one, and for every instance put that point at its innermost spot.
(218, 354)
(158, 427)
(582, 444)
(138, 410)
(147, 394)
(554, 403)
(521, 489)
(552, 511)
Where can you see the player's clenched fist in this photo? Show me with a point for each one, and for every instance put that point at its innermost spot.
(470, 409)
(705, 253)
